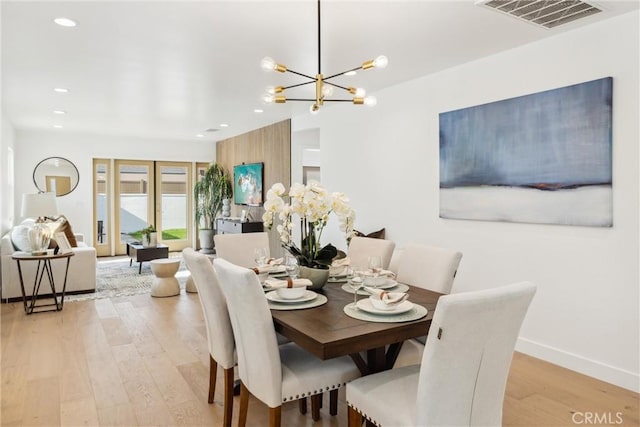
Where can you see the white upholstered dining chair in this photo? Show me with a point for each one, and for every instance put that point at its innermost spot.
(361, 248)
(273, 374)
(464, 369)
(239, 249)
(428, 267)
(219, 332)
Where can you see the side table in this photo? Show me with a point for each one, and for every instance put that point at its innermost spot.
(44, 265)
(143, 253)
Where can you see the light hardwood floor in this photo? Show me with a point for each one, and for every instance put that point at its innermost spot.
(143, 361)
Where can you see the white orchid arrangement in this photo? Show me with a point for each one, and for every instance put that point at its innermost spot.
(313, 205)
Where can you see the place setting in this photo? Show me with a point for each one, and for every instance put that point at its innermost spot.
(287, 291)
(387, 302)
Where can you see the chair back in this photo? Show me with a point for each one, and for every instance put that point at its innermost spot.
(214, 307)
(468, 354)
(361, 248)
(258, 355)
(428, 267)
(239, 248)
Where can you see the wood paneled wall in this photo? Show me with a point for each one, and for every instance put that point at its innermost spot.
(270, 145)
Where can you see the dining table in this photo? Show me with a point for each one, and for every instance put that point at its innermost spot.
(327, 331)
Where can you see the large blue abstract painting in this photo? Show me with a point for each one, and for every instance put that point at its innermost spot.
(540, 158)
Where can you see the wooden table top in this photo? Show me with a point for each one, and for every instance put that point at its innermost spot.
(327, 332)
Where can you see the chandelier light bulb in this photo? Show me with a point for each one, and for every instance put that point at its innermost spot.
(370, 101)
(360, 92)
(381, 61)
(327, 90)
(268, 98)
(271, 90)
(268, 64)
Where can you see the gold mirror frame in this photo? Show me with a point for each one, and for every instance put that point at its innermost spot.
(56, 174)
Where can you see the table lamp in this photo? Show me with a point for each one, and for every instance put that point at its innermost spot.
(39, 205)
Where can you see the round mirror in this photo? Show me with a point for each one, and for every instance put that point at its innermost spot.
(57, 175)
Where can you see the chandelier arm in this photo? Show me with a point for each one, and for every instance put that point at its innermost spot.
(336, 85)
(300, 99)
(336, 100)
(343, 73)
(300, 74)
(299, 84)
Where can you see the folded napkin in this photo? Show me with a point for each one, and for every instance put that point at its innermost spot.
(339, 266)
(389, 298)
(265, 269)
(382, 273)
(287, 283)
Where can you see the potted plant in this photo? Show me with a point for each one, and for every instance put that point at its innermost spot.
(209, 192)
(149, 236)
(312, 204)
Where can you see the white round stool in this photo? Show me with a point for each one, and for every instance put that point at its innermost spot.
(165, 283)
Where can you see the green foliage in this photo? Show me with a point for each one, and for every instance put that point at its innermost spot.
(209, 192)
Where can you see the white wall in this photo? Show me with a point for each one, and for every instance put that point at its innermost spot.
(585, 313)
(33, 146)
(6, 175)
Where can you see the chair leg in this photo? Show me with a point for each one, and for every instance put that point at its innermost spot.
(275, 416)
(315, 406)
(302, 404)
(213, 370)
(244, 405)
(333, 402)
(228, 396)
(355, 418)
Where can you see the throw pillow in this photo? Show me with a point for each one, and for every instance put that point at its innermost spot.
(375, 234)
(20, 238)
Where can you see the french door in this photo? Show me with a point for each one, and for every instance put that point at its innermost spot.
(144, 193)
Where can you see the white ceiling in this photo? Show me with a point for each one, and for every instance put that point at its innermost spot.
(174, 69)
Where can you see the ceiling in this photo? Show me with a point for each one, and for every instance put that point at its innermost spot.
(175, 69)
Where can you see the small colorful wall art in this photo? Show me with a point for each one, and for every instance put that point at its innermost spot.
(540, 158)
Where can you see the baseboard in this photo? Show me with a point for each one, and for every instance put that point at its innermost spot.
(49, 295)
(574, 362)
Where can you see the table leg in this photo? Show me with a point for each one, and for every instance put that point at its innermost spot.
(140, 267)
(24, 296)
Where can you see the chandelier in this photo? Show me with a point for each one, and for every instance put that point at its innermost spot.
(324, 87)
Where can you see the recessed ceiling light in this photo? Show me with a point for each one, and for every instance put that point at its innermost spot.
(199, 135)
(57, 126)
(224, 125)
(350, 73)
(65, 22)
(257, 110)
(59, 112)
(60, 90)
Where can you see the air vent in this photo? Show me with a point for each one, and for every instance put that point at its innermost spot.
(545, 13)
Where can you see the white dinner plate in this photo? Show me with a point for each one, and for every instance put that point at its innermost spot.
(365, 305)
(274, 297)
(386, 284)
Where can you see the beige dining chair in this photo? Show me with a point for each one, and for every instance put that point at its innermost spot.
(463, 374)
(271, 373)
(239, 248)
(361, 248)
(216, 319)
(428, 267)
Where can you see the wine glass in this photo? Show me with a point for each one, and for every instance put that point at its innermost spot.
(291, 264)
(260, 256)
(356, 283)
(375, 266)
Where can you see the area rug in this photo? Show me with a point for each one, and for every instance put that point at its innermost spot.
(115, 278)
